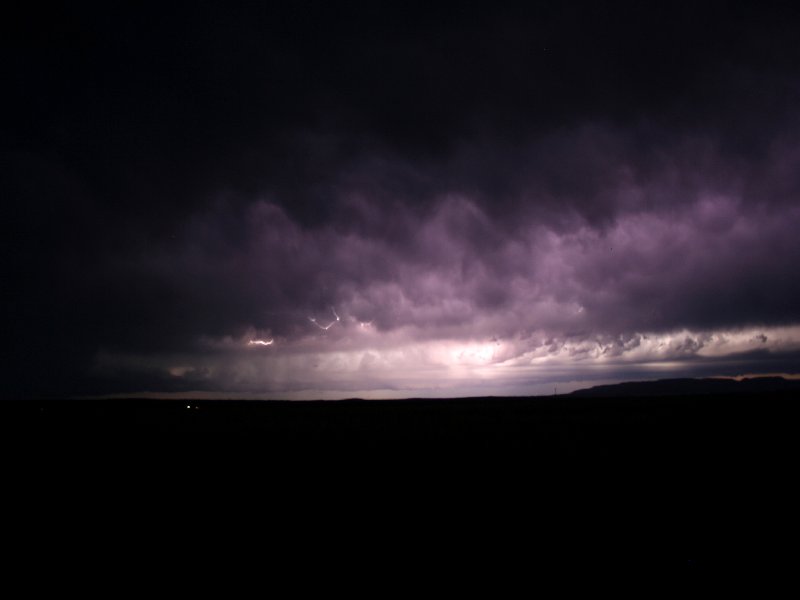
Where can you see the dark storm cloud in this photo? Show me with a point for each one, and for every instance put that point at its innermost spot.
(462, 187)
(554, 285)
(706, 259)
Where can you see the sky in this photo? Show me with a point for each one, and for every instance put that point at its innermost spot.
(384, 200)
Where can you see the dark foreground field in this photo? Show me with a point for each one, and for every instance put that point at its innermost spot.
(692, 476)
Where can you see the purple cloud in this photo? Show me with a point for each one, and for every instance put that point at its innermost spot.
(403, 202)
(444, 291)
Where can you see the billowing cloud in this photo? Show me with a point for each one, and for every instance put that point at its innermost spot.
(453, 296)
(475, 203)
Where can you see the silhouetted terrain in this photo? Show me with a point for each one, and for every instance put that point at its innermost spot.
(682, 387)
(687, 473)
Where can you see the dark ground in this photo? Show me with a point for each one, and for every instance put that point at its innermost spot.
(686, 482)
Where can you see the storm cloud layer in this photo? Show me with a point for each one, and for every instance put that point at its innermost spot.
(320, 202)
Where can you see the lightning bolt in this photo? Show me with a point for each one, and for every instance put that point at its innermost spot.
(329, 325)
(260, 342)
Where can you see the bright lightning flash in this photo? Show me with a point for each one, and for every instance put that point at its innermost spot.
(329, 325)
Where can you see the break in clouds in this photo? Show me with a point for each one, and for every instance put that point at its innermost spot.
(594, 262)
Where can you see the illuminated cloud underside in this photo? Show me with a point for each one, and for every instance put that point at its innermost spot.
(384, 367)
(469, 305)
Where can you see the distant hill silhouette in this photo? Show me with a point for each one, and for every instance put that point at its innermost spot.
(687, 386)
